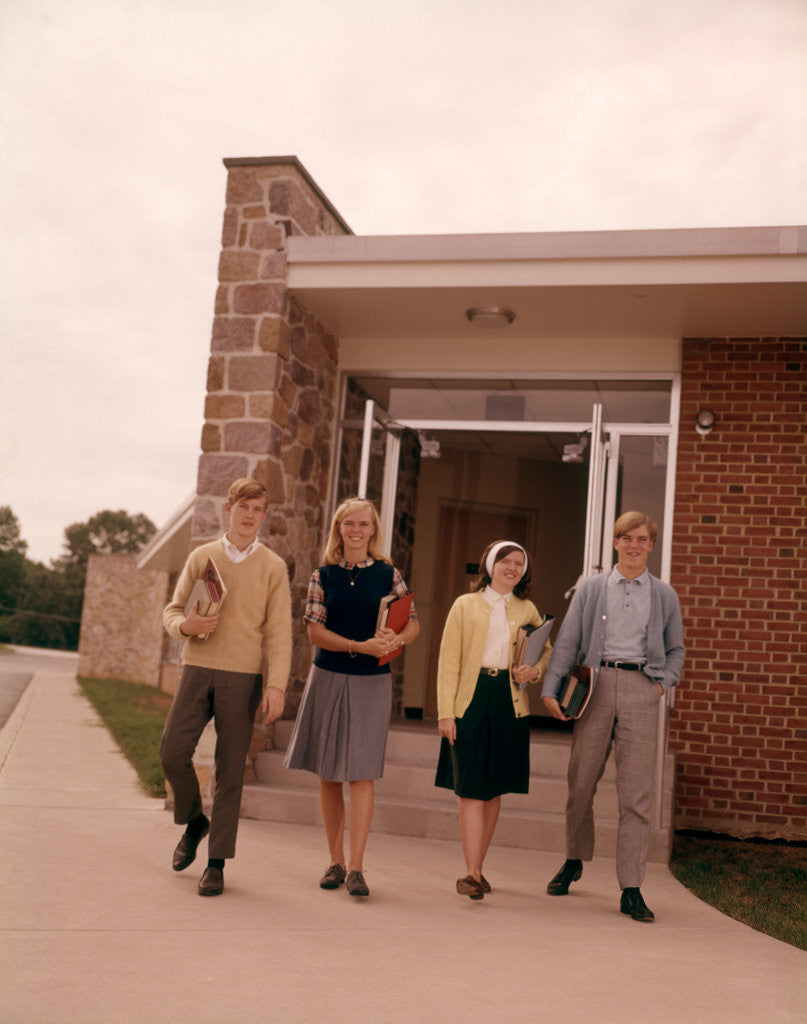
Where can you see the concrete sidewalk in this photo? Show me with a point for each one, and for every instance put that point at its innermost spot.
(96, 927)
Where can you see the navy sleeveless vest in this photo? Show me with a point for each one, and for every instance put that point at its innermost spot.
(352, 612)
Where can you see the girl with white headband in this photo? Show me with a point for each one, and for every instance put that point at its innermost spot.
(482, 703)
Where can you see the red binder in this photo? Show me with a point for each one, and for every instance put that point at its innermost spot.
(394, 614)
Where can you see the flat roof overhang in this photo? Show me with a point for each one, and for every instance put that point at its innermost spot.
(740, 282)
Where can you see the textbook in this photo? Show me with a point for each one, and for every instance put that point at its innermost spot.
(575, 691)
(209, 591)
(393, 613)
(530, 643)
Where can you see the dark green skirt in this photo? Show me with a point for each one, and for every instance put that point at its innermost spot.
(491, 754)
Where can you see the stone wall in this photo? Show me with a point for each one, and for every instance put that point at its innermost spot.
(121, 621)
(271, 405)
(739, 725)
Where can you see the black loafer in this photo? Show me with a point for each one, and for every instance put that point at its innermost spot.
(632, 904)
(570, 872)
(185, 853)
(211, 882)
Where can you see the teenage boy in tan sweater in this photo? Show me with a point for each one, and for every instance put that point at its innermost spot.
(233, 663)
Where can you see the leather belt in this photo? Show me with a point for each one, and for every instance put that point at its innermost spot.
(624, 666)
(491, 671)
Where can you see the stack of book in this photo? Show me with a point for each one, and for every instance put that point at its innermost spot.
(208, 593)
(530, 643)
(575, 691)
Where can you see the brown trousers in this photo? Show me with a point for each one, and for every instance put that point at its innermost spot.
(231, 700)
(624, 711)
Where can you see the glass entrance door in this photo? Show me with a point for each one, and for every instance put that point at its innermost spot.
(378, 466)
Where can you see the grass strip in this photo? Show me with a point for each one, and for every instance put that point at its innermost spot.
(134, 713)
(761, 883)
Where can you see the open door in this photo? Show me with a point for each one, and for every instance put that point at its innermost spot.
(378, 467)
(603, 473)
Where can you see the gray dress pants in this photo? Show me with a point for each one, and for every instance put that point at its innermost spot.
(231, 699)
(623, 710)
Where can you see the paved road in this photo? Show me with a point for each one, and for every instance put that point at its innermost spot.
(17, 667)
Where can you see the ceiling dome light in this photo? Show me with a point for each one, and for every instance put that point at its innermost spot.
(490, 316)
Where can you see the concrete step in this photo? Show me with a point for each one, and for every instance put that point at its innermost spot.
(523, 829)
(408, 803)
(416, 782)
(419, 743)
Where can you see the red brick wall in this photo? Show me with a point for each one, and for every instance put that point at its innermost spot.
(739, 557)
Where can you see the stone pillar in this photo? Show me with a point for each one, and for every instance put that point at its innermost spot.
(270, 410)
(121, 620)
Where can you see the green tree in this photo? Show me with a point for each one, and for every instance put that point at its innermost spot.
(13, 564)
(47, 602)
(106, 533)
(49, 611)
(10, 533)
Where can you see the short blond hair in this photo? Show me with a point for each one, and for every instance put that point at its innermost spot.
(631, 521)
(334, 551)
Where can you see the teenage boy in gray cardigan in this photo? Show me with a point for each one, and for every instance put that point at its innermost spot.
(626, 625)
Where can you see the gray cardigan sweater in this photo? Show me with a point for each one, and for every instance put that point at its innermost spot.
(582, 634)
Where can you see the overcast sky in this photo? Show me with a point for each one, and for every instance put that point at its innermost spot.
(413, 116)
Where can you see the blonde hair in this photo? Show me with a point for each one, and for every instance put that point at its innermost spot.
(632, 520)
(334, 550)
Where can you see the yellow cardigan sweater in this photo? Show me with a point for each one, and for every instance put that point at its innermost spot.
(461, 648)
(254, 631)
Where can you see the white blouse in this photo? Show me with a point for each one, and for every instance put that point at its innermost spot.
(497, 645)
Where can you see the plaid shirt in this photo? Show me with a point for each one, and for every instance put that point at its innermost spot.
(315, 610)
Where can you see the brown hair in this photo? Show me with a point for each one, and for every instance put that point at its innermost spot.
(334, 551)
(246, 489)
(522, 588)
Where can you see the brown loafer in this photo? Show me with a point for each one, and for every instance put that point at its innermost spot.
(333, 877)
(485, 885)
(356, 884)
(212, 882)
(185, 853)
(469, 886)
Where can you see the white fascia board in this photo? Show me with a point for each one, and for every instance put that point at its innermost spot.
(549, 273)
(630, 258)
(550, 245)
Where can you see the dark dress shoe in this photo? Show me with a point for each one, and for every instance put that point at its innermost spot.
(333, 877)
(212, 882)
(356, 884)
(633, 904)
(185, 853)
(469, 886)
(570, 872)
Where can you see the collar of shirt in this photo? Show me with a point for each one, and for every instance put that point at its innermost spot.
(234, 553)
(357, 565)
(617, 577)
(494, 597)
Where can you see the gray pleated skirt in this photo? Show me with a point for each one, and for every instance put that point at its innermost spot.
(341, 729)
